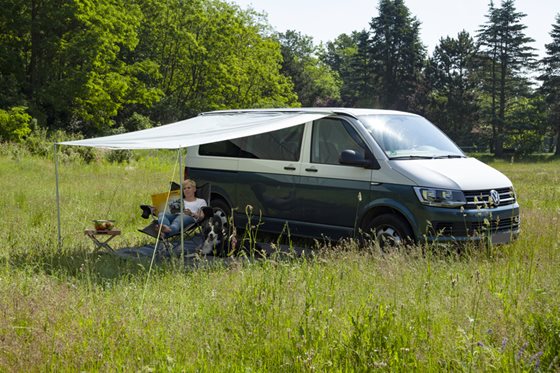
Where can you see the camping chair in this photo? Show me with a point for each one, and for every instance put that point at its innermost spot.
(172, 197)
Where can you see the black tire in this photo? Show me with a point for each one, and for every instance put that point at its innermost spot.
(222, 209)
(389, 230)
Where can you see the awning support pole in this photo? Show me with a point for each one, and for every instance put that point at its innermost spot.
(182, 202)
(57, 199)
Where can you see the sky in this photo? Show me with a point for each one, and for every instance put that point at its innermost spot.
(324, 20)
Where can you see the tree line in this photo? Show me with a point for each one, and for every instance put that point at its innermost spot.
(102, 67)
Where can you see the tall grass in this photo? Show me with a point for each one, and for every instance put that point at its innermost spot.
(343, 309)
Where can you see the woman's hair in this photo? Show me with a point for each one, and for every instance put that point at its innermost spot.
(191, 182)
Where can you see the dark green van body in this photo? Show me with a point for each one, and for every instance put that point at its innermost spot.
(332, 178)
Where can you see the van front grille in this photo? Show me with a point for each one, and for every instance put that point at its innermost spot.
(483, 199)
(473, 228)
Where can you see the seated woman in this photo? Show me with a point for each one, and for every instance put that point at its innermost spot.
(171, 222)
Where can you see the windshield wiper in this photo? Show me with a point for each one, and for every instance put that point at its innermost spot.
(449, 156)
(413, 157)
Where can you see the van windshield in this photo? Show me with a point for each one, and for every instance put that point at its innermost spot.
(409, 137)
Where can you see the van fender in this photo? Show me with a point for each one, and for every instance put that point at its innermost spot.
(220, 193)
(384, 206)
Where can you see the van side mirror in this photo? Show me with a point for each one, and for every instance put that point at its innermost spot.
(349, 157)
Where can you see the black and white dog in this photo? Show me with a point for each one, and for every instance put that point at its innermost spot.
(213, 233)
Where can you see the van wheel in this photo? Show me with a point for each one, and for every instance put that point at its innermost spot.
(389, 230)
(222, 209)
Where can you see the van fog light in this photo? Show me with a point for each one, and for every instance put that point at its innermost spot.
(440, 197)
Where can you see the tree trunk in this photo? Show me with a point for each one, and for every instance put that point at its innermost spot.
(499, 149)
(493, 108)
(499, 138)
(34, 64)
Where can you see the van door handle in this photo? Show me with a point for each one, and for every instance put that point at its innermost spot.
(289, 168)
(313, 169)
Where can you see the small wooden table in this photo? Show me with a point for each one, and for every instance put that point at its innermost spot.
(109, 234)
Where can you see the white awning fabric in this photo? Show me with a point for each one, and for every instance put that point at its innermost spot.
(206, 128)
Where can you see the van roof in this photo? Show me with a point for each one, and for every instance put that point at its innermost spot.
(355, 112)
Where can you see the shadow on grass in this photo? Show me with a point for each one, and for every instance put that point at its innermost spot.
(77, 263)
(100, 267)
(82, 264)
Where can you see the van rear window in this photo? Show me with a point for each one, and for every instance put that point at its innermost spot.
(281, 145)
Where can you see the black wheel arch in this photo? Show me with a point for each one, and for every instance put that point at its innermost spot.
(219, 201)
(377, 211)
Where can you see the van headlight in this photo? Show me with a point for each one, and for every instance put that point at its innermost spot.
(440, 197)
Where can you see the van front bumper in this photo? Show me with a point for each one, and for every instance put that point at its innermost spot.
(500, 225)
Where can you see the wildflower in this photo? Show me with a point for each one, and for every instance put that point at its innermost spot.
(521, 351)
(233, 240)
(537, 359)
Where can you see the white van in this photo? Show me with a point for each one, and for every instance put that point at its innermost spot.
(358, 170)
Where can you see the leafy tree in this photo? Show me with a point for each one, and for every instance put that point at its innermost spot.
(136, 122)
(526, 118)
(380, 67)
(453, 87)
(212, 55)
(364, 77)
(108, 82)
(70, 66)
(551, 80)
(14, 34)
(348, 56)
(14, 124)
(314, 81)
(397, 54)
(507, 54)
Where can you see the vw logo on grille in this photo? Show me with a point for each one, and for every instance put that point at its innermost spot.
(495, 197)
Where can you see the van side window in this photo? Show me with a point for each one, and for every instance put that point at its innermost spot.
(330, 137)
(281, 145)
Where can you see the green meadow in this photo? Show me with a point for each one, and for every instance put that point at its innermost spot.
(478, 308)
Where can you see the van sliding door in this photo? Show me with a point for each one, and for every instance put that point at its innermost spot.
(328, 191)
(268, 174)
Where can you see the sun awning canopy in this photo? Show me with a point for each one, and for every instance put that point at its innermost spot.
(206, 128)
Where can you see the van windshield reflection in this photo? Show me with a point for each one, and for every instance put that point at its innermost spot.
(410, 137)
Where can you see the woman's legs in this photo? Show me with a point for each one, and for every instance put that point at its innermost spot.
(165, 219)
(176, 223)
